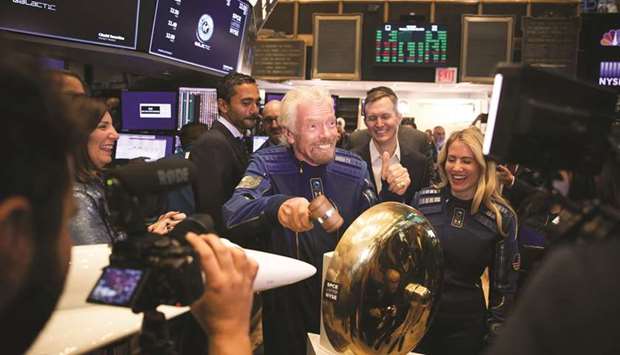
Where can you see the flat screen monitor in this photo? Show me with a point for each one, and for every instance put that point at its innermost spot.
(110, 23)
(151, 147)
(599, 61)
(146, 110)
(273, 96)
(203, 33)
(258, 141)
(400, 44)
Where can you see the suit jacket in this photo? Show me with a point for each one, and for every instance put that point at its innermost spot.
(221, 160)
(414, 156)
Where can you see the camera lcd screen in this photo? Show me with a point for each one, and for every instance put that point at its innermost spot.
(117, 286)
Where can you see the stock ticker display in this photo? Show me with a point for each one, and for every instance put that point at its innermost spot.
(409, 44)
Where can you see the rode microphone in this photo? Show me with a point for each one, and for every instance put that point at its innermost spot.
(158, 176)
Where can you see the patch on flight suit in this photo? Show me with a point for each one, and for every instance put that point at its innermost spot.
(516, 262)
(458, 218)
(316, 186)
(249, 182)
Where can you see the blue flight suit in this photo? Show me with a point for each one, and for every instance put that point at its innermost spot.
(273, 176)
(470, 243)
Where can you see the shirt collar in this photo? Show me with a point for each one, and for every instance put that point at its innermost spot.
(232, 129)
(375, 155)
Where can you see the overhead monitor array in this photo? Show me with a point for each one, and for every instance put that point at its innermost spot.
(206, 34)
(111, 23)
(203, 33)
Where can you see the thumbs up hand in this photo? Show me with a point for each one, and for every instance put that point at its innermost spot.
(396, 175)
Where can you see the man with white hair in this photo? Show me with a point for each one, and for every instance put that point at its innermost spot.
(277, 190)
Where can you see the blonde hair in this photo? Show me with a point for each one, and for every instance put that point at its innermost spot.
(302, 95)
(487, 190)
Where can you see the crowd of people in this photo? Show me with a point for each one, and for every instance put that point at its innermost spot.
(59, 142)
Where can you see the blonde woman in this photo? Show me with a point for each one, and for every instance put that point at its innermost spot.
(477, 229)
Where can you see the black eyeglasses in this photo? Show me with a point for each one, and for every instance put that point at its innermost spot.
(268, 120)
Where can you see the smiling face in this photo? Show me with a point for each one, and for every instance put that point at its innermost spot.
(462, 170)
(101, 142)
(270, 123)
(382, 121)
(315, 136)
(242, 110)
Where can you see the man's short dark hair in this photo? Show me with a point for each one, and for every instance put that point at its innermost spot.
(56, 75)
(226, 87)
(379, 92)
(191, 132)
(37, 141)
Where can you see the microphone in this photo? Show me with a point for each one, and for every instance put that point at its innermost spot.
(158, 176)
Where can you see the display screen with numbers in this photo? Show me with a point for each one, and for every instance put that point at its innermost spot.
(411, 44)
(112, 23)
(203, 33)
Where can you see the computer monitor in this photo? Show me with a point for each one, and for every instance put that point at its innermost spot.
(207, 34)
(258, 141)
(406, 44)
(111, 23)
(151, 147)
(145, 110)
(273, 96)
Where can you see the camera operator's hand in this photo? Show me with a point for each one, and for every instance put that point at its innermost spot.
(224, 308)
(166, 222)
(295, 215)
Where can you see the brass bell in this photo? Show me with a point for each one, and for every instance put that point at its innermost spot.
(382, 282)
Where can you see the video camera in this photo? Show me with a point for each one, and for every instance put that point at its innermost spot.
(548, 121)
(146, 269)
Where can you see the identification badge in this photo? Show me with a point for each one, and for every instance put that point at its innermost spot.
(316, 187)
(458, 218)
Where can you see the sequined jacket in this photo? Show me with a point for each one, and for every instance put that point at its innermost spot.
(91, 224)
(471, 243)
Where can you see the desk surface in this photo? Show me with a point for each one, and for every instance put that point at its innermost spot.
(79, 330)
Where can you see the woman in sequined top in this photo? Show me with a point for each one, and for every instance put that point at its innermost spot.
(91, 223)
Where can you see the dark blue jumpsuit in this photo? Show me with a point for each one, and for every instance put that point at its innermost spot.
(274, 176)
(470, 243)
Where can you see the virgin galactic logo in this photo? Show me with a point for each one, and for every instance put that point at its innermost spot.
(37, 4)
(205, 28)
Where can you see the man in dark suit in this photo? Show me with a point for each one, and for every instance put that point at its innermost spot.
(391, 148)
(220, 155)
